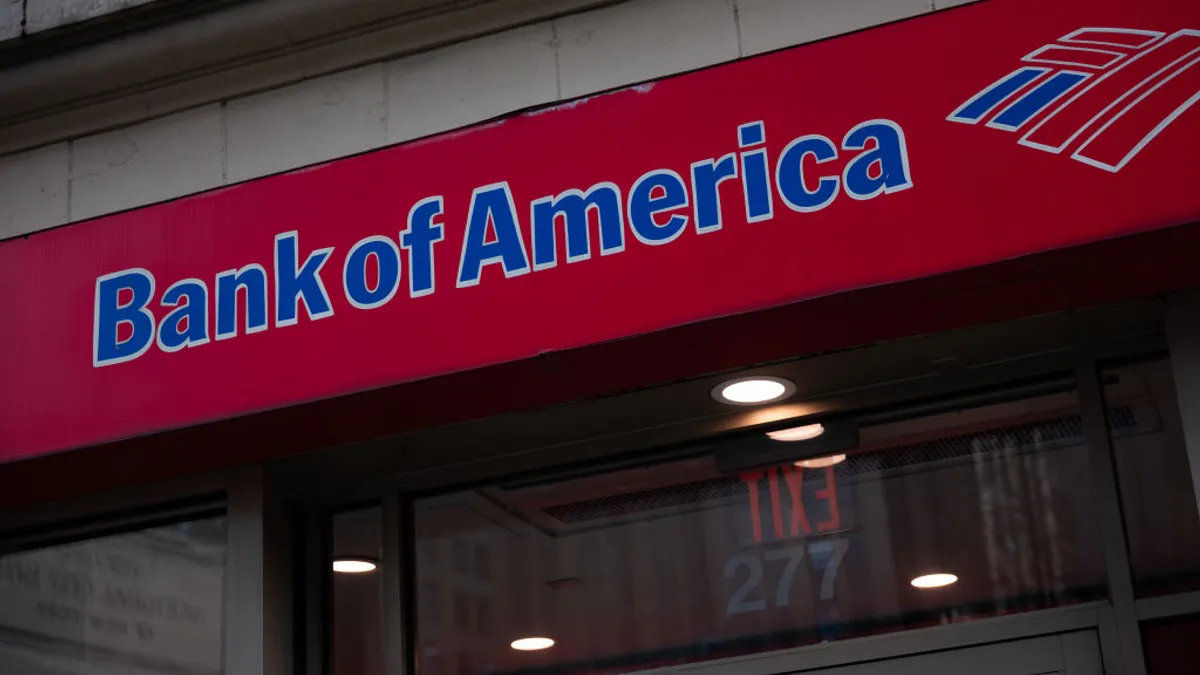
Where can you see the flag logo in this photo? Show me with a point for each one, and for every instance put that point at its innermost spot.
(1100, 95)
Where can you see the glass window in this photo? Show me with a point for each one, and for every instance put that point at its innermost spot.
(1170, 645)
(358, 593)
(460, 556)
(481, 561)
(462, 611)
(1155, 480)
(677, 562)
(143, 602)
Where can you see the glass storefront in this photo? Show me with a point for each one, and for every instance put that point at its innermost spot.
(934, 519)
(955, 509)
(149, 602)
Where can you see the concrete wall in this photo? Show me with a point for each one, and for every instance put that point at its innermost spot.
(388, 102)
(18, 17)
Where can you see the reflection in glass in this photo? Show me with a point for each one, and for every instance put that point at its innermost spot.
(142, 603)
(358, 598)
(674, 563)
(1155, 479)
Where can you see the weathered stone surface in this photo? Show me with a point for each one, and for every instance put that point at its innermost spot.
(43, 15)
(10, 18)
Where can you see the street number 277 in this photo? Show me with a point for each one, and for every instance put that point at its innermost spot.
(832, 550)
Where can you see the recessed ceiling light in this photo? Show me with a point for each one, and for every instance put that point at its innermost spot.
(532, 644)
(821, 462)
(753, 390)
(794, 434)
(938, 580)
(354, 566)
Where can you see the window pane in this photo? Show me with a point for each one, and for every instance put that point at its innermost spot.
(358, 593)
(1170, 645)
(677, 563)
(1155, 480)
(146, 602)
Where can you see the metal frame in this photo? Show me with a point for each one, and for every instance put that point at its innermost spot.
(1167, 606)
(1120, 637)
(399, 602)
(311, 592)
(890, 646)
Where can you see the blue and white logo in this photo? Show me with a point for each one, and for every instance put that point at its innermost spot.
(1104, 93)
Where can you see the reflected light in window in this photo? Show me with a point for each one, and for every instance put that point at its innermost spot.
(939, 580)
(821, 462)
(353, 566)
(753, 390)
(794, 434)
(532, 644)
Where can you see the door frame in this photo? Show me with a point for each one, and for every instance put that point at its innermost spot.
(1084, 619)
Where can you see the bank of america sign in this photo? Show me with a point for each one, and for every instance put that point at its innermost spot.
(1101, 94)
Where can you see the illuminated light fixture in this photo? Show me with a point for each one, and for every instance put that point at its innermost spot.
(794, 434)
(753, 390)
(532, 644)
(354, 566)
(821, 462)
(940, 580)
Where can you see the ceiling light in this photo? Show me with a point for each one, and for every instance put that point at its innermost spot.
(532, 644)
(794, 434)
(753, 390)
(821, 462)
(939, 580)
(354, 566)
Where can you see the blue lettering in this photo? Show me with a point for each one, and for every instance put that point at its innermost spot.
(573, 206)
(789, 174)
(756, 183)
(707, 177)
(252, 278)
(111, 311)
(418, 240)
(296, 283)
(883, 168)
(187, 324)
(359, 292)
(492, 210)
(645, 204)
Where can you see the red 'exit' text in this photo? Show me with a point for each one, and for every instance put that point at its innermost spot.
(799, 523)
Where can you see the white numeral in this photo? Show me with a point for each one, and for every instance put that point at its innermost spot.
(738, 603)
(838, 548)
(834, 551)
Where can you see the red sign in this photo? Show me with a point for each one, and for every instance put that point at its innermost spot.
(965, 137)
(793, 477)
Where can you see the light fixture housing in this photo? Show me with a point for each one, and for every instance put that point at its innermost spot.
(532, 644)
(761, 449)
(755, 390)
(805, 432)
(935, 580)
(354, 565)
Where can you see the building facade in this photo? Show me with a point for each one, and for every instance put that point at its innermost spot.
(558, 337)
